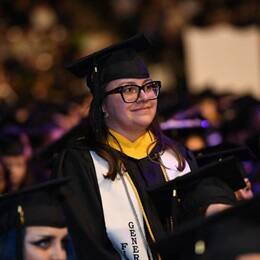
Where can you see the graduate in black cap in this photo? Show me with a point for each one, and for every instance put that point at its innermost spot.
(32, 225)
(229, 235)
(122, 153)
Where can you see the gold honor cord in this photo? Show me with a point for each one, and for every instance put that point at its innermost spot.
(170, 221)
(174, 192)
(142, 209)
(164, 172)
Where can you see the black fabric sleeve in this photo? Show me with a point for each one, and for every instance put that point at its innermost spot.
(208, 191)
(82, 206)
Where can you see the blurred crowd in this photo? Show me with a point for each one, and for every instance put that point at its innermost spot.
(41, 103)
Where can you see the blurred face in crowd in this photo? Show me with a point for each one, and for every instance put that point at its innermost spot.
(132, 117)
(252, 256)
(17, 167)
(45, 243)
(195, 142)
(2, 179)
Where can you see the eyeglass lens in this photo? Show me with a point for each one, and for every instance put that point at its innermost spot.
(131, 93)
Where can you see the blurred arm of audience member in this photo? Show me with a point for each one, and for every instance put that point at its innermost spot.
(246, 193)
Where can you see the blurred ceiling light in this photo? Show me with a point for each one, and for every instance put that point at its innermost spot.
(44, 61)
(43, 17)
(59, 33)
(7, 93)
(14, 34)
(94, 41)
(125, 8)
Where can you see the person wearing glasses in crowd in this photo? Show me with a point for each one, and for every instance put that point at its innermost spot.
(120, 155)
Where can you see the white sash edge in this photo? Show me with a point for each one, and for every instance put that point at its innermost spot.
(170, 162)
(121, 224)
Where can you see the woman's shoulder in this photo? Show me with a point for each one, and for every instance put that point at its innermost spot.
(74, 158)
(186, 153)
(78, 143)
(76, 147)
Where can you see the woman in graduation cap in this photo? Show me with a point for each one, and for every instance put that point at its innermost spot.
(121, 155)
(32, 225)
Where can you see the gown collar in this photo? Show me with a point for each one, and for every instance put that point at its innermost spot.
(137, 149)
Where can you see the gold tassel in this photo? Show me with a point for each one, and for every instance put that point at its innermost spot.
(21, 214)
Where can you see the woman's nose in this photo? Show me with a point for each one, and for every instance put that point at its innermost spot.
(142, 96)
(58, 253)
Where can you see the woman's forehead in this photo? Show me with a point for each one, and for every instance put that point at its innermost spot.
(118, 82)
(45, 230)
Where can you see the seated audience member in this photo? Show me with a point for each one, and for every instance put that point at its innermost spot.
(230, 235)
(3, 178)
(14, 157)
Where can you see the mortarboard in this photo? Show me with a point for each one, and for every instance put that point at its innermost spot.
(225, 235)
(38, 205)
(120, 60)
(218, 152)
(32, 206)
(227, 170)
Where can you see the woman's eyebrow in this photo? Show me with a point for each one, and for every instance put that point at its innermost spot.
(147, 80)
(134, 83)
(128, 82)
(43, 237)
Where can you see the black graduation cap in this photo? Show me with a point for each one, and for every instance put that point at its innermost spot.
(120, 60)
(218, 152)
(228, 170)
(32, 206)
(38, 205)
(225, 235)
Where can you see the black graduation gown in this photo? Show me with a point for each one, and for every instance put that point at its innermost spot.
(83, 207)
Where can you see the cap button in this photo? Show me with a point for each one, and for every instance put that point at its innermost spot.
(200, 247)
(21, 214)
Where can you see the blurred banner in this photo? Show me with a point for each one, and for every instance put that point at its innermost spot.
(223, 58)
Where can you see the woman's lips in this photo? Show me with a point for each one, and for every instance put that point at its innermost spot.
(140, 109)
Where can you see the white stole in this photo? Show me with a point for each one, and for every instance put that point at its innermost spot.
(121, 224)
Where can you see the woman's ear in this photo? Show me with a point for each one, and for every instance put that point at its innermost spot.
(105, 113)
(103, 108)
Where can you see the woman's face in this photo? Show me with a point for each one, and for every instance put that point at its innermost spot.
(128, 117)
(17, 166)
(2, 179)
(45, 243)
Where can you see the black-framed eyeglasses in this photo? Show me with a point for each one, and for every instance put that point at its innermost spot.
(131, 92)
